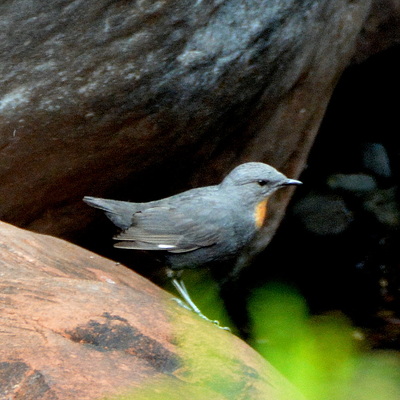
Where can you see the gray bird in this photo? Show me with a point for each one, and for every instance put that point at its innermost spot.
(200, 227)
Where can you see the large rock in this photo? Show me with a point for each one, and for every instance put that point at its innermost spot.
(78, 326)
(380, 31)
(142, 99)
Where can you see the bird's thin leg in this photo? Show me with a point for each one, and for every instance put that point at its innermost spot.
(181, 288)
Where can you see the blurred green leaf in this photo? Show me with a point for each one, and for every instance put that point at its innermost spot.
(318, 354)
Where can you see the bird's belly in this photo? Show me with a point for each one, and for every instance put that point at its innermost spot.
(210, 256)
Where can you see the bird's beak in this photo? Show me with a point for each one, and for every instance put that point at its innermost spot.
(289, 182)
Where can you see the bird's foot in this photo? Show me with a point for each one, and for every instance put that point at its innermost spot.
(181, 303)
(200, 314)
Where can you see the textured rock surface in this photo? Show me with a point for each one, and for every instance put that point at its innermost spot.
(78, 326)
(109, 97)
(381, 30)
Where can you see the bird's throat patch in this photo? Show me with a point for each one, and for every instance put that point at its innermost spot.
(260, 213)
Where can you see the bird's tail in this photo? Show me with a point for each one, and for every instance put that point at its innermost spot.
(119, 212)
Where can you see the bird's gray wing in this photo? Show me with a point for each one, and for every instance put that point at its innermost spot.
(167, 228)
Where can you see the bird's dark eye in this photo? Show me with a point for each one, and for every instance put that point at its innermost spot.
(262, 182)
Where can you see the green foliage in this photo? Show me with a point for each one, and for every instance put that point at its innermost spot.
(320, 355)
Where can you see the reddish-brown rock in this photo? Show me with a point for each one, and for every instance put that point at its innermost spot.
(78, 326)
